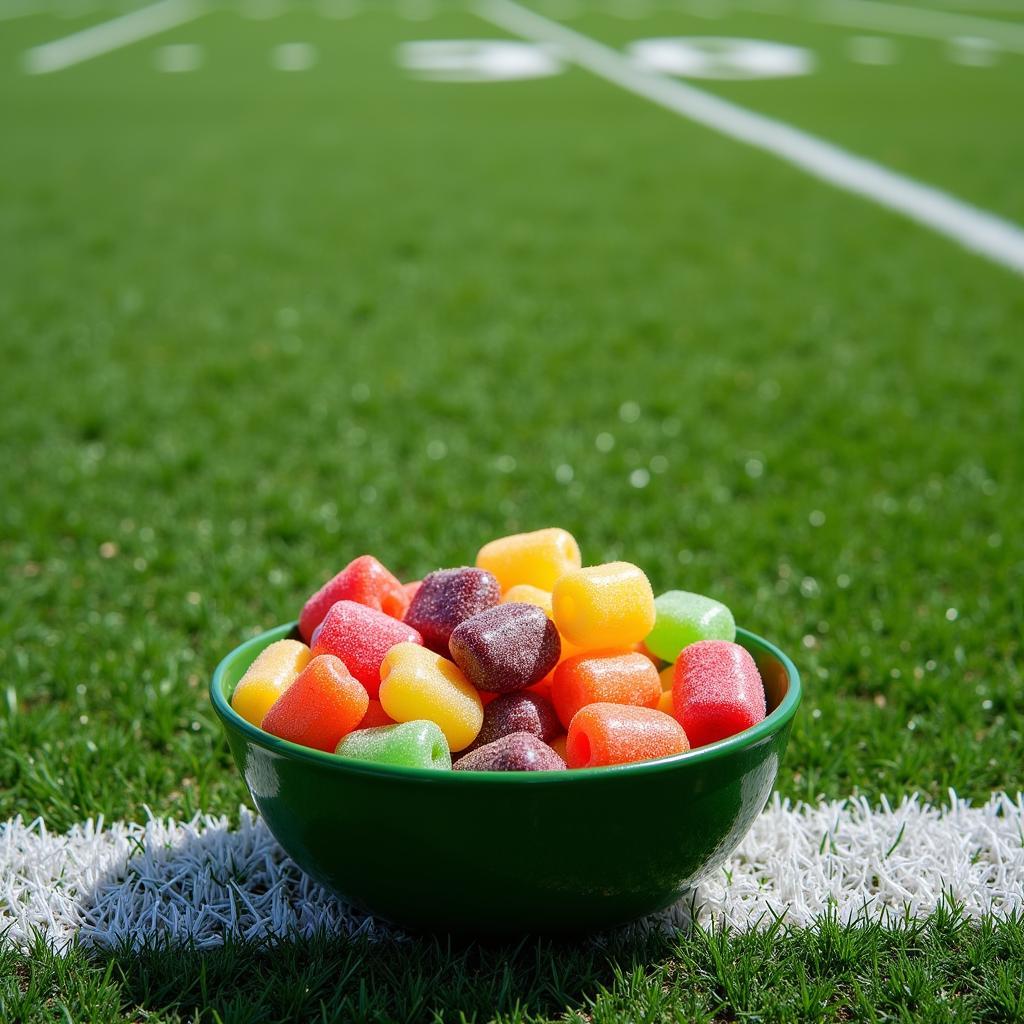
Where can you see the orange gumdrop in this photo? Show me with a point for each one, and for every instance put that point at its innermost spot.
(323, 704)
(611, 677)
(375, 715)
(602, 734)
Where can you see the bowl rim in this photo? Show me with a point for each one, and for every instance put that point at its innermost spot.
(769, 726)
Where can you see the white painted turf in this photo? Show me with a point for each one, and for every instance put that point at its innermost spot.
(204, 880)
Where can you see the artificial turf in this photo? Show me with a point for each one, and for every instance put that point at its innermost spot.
(256, 324)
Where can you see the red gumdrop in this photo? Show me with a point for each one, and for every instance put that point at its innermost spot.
(375, 715)
(365, 581)
(448, 597)
(717, 691)
(323, 705)
(361, 636)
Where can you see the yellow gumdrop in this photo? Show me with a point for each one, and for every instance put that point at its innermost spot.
(417, 684)
(537, 558)
(525, 593)
(668, 678)
(273, 671)
(608, 605)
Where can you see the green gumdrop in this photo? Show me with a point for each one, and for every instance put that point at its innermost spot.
(683, 618)
(409, 744)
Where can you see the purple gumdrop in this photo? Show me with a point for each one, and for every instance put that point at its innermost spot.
(517, 752)
(506, 648)
(518, 712)
(448, 597)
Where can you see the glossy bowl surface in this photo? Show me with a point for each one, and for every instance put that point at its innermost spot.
(503, 853)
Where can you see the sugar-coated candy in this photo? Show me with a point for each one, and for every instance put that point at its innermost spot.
(361, 636)
(536, 559)
(363, 580)
(505, 648)
(446, 598)
(518, 712)
(526, 593)
(558, 745)
(517, 752)
(375, 716)
(668, 677)
(417, 683)
(602, 734)
(409, 744)
(410, 591)
(718, 691)
(604, 605)
(274, 670)
(682, 618)
(615, 677)
(320, 707)
(666, 703)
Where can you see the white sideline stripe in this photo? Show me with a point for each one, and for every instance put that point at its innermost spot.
(978, 230)
(919, 21)
(204, 881)
(110, 35)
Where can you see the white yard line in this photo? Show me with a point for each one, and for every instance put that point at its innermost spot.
(918, 21)
(982, 232)
(111, 35)
(204, 881)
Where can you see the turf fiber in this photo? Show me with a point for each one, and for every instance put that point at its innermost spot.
(256, 323)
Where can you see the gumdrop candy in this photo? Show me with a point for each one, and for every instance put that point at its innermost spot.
(718, 691)
(668, 677)
(517, 752)
(603, 734)
(611, 677)
(417, 683)
(274, 670)
(410, 744)
(537, 559)
(604, 605)
(361, 636)
(666, 703)
(682, 618)
(446, 598)
(375, 716)
(505, 648)
(518, 712)
(324, 704)
(365, 581)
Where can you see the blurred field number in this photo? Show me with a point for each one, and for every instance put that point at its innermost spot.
(502, 60)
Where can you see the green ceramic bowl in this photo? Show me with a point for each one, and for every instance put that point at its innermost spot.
(503, 853)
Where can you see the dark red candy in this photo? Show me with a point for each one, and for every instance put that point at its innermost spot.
(506, 648)
(517, 752)
(446, 598)
(518, 712)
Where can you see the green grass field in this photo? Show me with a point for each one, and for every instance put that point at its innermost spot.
(257, 322)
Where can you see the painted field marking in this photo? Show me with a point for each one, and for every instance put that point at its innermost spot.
(975, 229)
(477, 60)
(973, 51)
(293, 56)
(178, 58)
(918, 21)
(721, 57)
(111, 35)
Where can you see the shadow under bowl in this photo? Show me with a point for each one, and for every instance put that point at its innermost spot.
(506, 853)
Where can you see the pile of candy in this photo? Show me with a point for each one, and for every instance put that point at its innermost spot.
(526, 662)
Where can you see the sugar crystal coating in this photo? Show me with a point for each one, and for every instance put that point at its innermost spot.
(603, 734)
(276, 667)
(682, 618)
(322, 705)
(517, 752)
(505, 648)
(416, 683)
(604, 605)
(361, 636)
(518, 712)
(718, 691)
(418, 744)
(536, 559)
(615, 677)
(448, 597)
(365, 581)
